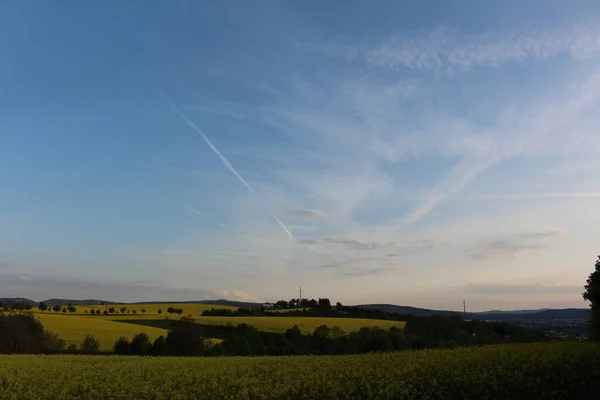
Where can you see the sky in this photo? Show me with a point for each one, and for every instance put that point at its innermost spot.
(418, 153)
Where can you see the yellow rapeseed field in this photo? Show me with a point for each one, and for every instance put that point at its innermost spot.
(306, 324)
(73, 328)
(519, 371)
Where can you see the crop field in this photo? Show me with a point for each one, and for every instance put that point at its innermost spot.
(306, 324)
(523, 371)
(74, 328)
(149, 309)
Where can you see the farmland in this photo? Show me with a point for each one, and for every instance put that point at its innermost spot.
(544, 370)
(74, 328)
(146, 309)
(306, 324)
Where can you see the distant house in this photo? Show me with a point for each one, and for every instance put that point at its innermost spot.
(268, 306)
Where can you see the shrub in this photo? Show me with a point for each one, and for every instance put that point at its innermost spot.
(122, 346)
(89, 345)
(140, 344)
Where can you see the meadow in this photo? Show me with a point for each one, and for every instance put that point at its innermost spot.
(306, 324)
(523, 371)
(73, 328)
(101, 327)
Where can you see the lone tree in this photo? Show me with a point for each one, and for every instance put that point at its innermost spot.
(42, 306)
(592, 294)
(89, 345)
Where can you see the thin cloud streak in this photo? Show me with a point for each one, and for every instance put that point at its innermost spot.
(206, 217)
(500, 146)
(208, 142)
(532, 196)
(221, 157)
(290, 236)
(447, 48)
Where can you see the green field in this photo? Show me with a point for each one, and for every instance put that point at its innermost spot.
(526, 371)
(266, 324)
(73, 328)
(306, 324)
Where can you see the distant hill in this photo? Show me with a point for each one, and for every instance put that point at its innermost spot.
(221, 302)
(66, 302)
(421, 312)
(567, 314)
(515, 316)
(513, 311)
(18, 300)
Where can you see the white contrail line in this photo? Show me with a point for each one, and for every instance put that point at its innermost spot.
(291, 237)
(221, 157)
(208, 142)
(192, 209)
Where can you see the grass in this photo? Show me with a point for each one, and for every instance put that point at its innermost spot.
(561, 370)
(73, 328)
(306, 324)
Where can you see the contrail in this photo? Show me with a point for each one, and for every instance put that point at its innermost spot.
(208, 142)
(221, 157)
(192, 209)
(291, 237)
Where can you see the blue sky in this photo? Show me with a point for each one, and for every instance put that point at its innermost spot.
(416, 153)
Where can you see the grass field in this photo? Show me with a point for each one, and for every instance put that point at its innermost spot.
(73, 328)
(524, 371)
(306, 324)
(150, 309)
(108, 328)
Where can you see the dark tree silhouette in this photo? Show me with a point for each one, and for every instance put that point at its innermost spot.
(140, 344)
(122, 346)
(592, 294)
(42, 306)
(90, 345)
(159, 347)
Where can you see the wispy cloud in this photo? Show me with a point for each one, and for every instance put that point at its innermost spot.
(222, 225)
(221, 157)
(406, 247)
(513, 196)
(512, 244)
(307, 213)
(502, 144)
(368, 271)
(448, 48)
(290, 236)
(508, 289)
(40, 287)
(208, 142)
